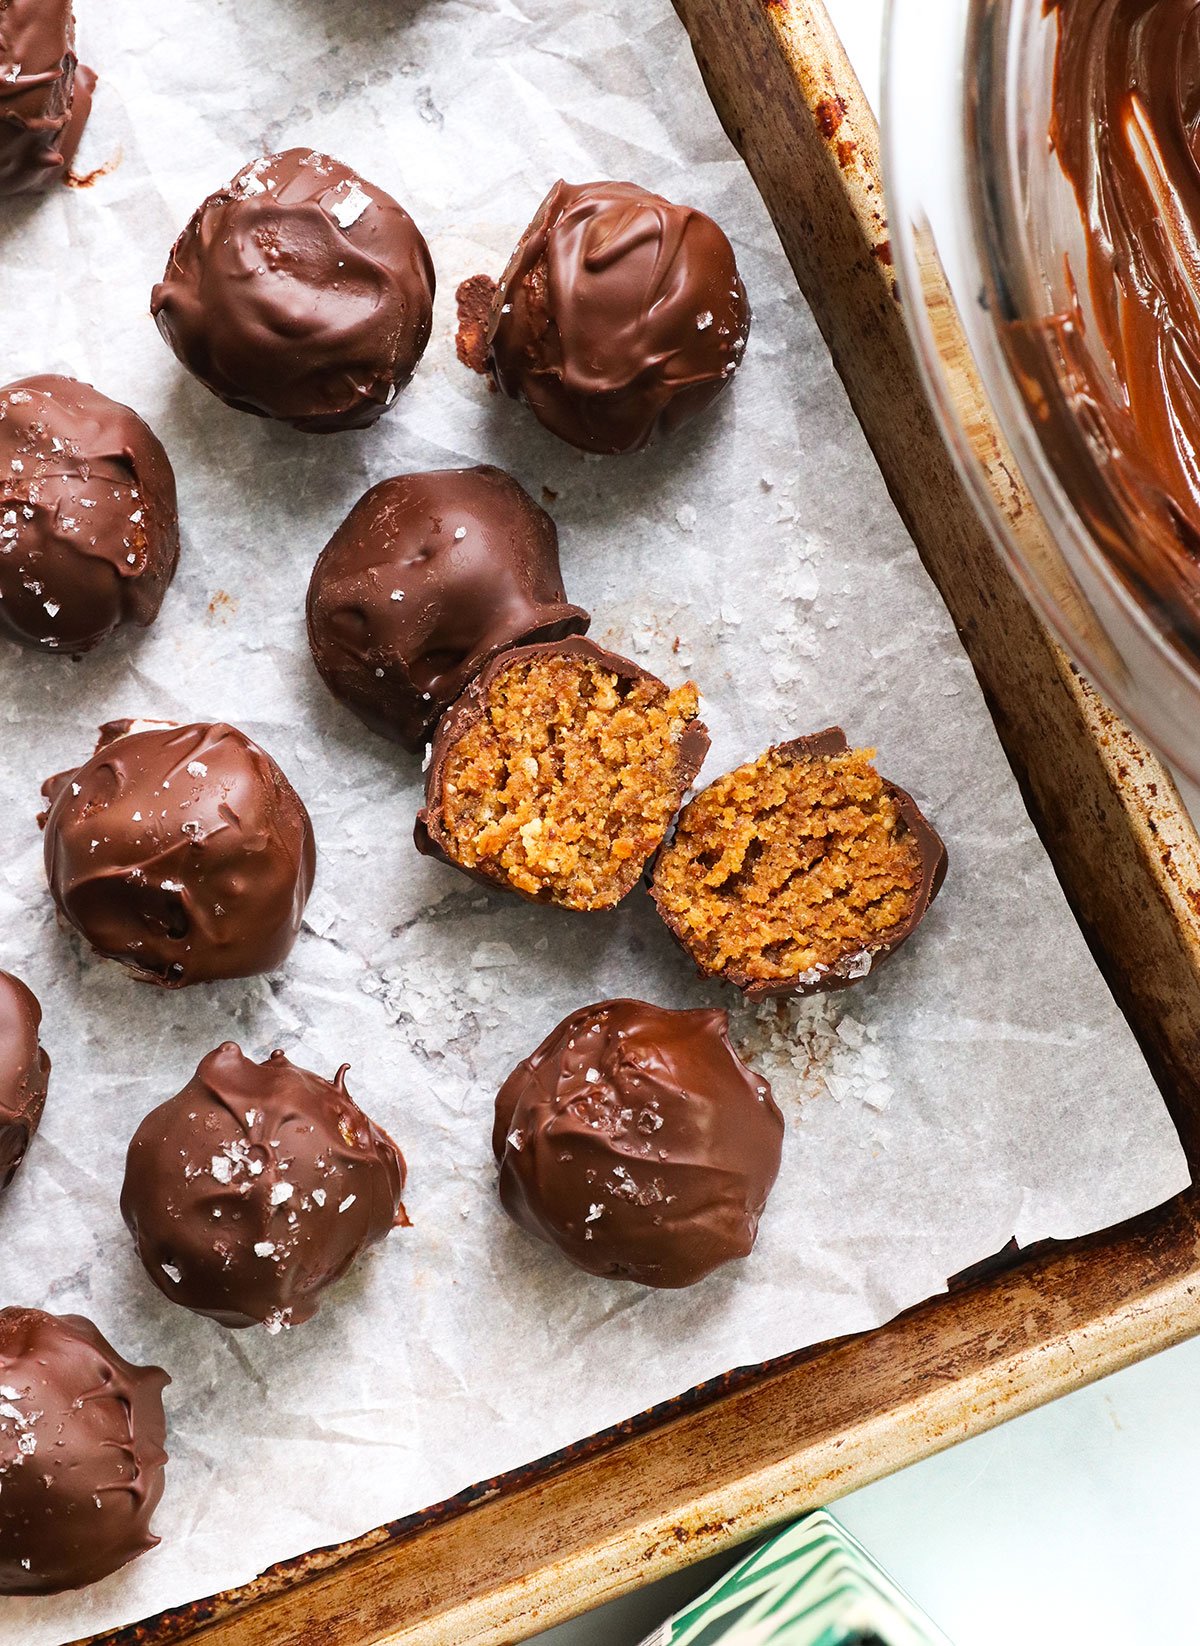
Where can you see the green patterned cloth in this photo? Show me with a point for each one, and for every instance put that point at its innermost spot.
(811, 1585)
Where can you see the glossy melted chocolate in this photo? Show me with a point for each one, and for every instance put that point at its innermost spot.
(1126, 130)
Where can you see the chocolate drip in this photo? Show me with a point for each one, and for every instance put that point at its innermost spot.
(1125, 350)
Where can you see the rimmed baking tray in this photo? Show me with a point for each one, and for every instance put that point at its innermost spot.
(517, 1554)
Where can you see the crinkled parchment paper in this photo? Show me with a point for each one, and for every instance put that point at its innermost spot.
(983, 1085)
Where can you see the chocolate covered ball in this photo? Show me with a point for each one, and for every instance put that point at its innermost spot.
(636, 1141)
(299, 292)
(24, 1073)
(429, 577)
(801, 871)
(181, 851)
(256, 1188)
(45, 93)
(619, 317)
(89, 526)
(81, 1454)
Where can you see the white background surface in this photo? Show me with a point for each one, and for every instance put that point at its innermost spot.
(834, 622)
(1075, 1523)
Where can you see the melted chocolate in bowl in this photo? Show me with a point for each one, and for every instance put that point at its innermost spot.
(1084, 136)
(1125, 128)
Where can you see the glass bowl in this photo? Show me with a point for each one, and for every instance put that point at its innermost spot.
(990, 251)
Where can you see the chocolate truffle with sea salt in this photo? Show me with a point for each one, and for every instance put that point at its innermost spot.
(89, 526)
(637, 1141)
(299, 292)
(24, 1073)
(429, 577)
(181, 851)
(620, 316)
(45, 93)
(82, 1433)
(256, 1187)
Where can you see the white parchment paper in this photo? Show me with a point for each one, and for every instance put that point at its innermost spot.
(983, 1085)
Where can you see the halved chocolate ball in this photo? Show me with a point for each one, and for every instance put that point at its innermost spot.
(82, 1433)
(24, 1073)
(800, 871)
(45, 93)
(89, 526)
(256, 1187)
(637, 1141)
(428, 577)
(181, 851)
(299, 292)
(619, 317)
(558, 772)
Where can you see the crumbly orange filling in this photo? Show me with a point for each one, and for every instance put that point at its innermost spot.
(789, 864)
(569, 781)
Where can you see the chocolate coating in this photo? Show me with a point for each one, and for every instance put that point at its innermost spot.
(428, 577)
(844, 973)
(81, 1454)
(45, 94)
(619, 317)
(256, 1187)
(299, 292)
(89, 525)
(24, 1073)
(181, 851)
(636, 1141)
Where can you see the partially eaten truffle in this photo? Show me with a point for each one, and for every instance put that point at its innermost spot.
(559, 771)
(799, 871)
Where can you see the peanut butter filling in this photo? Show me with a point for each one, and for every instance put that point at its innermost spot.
(789, 865)
(568, 782)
